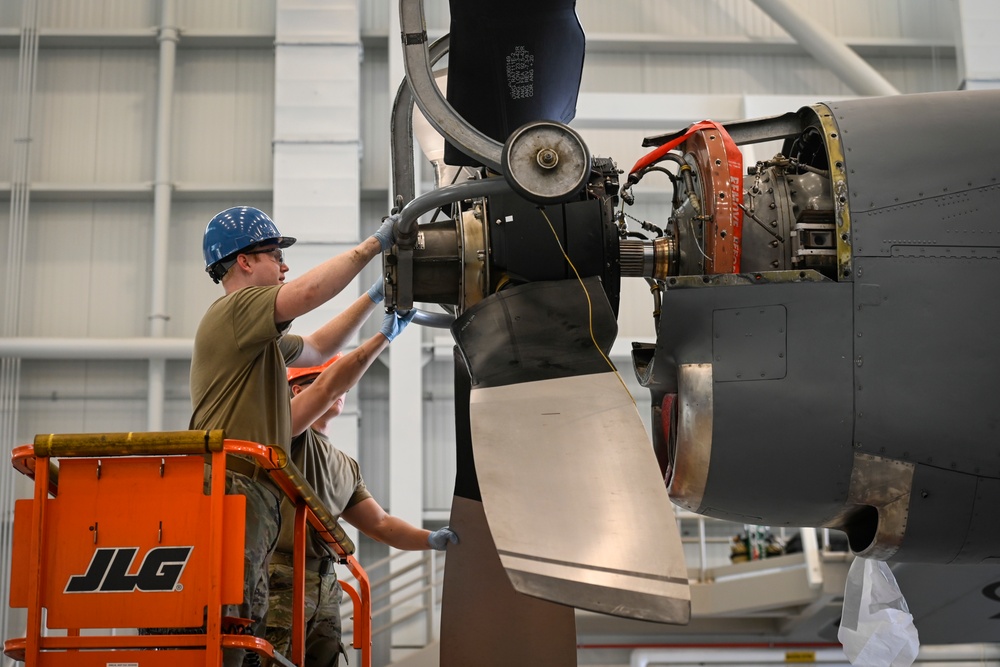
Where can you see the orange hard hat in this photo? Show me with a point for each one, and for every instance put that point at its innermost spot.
(297, 373)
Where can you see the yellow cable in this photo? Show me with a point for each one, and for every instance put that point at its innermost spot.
(590, 308)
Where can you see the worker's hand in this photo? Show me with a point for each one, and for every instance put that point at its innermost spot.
(386, 234)
(439, 539)
(394, 323)
(377, 291)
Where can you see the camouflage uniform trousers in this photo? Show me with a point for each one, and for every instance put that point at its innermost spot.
(263, 521)
(322, 616)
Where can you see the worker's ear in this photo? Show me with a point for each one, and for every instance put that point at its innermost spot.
(243, 262)
(296, 389)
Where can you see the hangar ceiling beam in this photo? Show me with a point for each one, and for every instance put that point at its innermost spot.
(827, 49)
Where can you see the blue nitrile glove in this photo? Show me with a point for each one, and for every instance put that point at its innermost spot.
(377, 291)
(386, 234)
(439, 539)
(394, 323)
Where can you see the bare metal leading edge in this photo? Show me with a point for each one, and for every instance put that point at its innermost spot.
(566, 471)
(694, 436)
(484, 621)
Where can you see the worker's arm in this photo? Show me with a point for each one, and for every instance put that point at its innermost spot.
(320, 284)
(308, 405)
(326, 341)
(369, 517)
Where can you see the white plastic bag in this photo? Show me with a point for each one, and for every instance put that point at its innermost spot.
(876, 627)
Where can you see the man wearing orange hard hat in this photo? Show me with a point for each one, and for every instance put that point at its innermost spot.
(337, 480)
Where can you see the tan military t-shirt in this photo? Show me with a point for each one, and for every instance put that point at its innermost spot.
(335, 477)
(238, 378)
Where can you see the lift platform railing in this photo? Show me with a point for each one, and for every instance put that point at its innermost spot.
(114, 496)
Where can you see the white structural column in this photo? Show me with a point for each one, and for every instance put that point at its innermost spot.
(406, 474)
(976, 44)
(316, 150)
(827, 49)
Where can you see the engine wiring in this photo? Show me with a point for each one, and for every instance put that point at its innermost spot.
(590, 307)
(633, 178)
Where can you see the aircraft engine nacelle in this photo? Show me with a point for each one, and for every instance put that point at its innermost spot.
(832, 361)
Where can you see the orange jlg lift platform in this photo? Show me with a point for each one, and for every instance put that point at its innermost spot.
(120, 534)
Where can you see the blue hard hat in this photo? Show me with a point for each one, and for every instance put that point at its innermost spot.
(234, 230)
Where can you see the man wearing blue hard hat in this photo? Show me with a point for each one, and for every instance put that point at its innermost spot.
(241, 348)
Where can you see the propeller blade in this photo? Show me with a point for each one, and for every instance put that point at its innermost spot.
(484, 621)
(569, 482)
(525, 67)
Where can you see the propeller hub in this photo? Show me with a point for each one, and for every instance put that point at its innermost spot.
(547, 158)
(546, 162)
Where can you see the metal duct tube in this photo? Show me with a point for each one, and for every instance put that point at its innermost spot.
(433, 320)
(161, 213)
(10, 368)
(406, 228)
(96, 348)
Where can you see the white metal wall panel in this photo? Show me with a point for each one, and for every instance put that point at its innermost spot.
(695, 18)
(8, 101)
(316, 146)
(913, 75)
(439, 434)
(93, 116)
(10, 14)
(372, 397)
(317, 21)
(85, 271)
(96, 14)
(978, 24)
(374, 15)
(82, 397)
(316, 93)
(190, 290)
(317, 119)
(226, 15)
(223, 116)
(376, 108)
(315, 191)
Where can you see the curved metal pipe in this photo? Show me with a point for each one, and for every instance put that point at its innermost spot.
(406, 228)
(433, 320)
(401, 143)
(432, 103)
